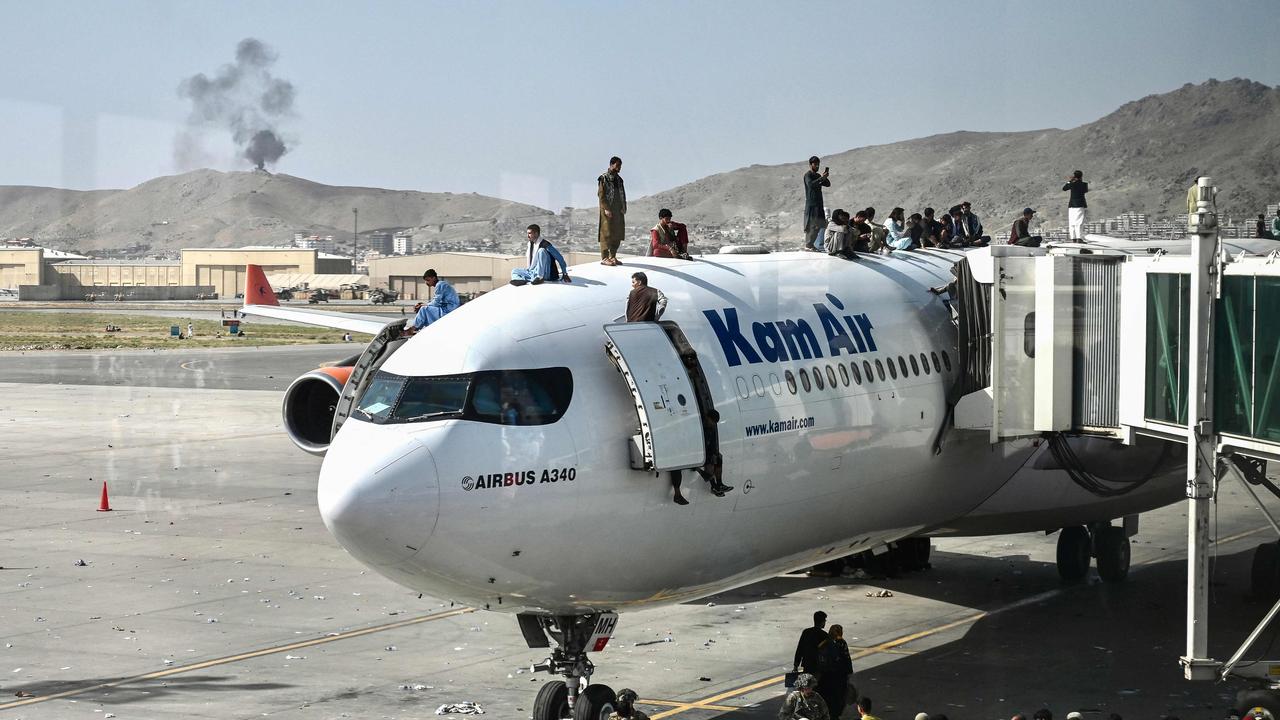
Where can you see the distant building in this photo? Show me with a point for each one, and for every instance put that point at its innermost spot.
(323, 243)
(381, 242)
(402, 244)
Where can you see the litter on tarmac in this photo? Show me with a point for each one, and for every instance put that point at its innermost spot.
(466, 707)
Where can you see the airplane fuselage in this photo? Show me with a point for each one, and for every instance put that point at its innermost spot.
(831, 379)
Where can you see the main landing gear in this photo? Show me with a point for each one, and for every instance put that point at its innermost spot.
(575, 697)
(1109, 544)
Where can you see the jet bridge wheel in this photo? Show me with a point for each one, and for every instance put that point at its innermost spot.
(1074, 549)
(595, 703)
(1111, 547)
(552, 702)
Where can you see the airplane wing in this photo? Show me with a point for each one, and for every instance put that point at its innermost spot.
(260, 300)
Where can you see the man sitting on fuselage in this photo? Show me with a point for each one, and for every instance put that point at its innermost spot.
(669, 239)
(541, 258)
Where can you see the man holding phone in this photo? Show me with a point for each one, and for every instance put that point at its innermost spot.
(815, 216)
(1076, 205)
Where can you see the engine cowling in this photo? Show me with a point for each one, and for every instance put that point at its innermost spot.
(309, 406)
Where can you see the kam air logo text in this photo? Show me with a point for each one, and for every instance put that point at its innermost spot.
(791, 339)
(519, 478)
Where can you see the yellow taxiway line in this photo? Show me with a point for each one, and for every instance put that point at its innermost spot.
(237, 658)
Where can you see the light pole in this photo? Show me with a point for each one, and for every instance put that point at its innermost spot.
(355, 237)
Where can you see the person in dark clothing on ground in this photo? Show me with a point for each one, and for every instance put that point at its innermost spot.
(1020, 233)
(1043, 714)
(810, 641)
(815, 215)
(804, 703)
(836, 669)
(1076, 205)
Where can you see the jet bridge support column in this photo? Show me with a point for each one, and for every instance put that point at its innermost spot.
(1201, 446)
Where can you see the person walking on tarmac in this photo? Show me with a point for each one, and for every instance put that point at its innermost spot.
(804, 703)
(810, 641)
(836, 671)
(624, 708)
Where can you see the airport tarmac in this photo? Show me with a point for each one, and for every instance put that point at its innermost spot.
(213, 590)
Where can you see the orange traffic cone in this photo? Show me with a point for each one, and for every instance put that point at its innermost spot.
(105, 505)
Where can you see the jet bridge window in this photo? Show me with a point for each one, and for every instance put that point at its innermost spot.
(1168, 325)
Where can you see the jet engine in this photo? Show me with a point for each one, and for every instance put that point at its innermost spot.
(309, 406)
(314, 406)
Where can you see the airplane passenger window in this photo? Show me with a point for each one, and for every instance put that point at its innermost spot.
(831, 376)
(758, 384)
(791, 382)
(924, 362)
(744, 392)
(775, 384)
(902, 365)
(844, 375)
(915, 367)
(866, 370)
(946, 360)
(857, 376)
(880, 369)
(937, 366)
(817, 377)
(804, 380)
(893, 369)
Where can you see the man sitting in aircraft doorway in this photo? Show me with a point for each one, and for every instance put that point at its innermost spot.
(541, 259)
(442, 303)
(669, 239)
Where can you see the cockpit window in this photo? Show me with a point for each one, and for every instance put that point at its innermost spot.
(502, 397)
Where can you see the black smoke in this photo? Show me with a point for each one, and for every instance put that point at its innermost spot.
(245, 99)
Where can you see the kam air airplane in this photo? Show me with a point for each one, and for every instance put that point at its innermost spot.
(516, 455)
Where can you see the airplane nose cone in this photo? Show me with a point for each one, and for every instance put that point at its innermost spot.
(378, 493)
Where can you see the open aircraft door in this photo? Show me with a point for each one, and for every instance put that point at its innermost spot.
(666, 383)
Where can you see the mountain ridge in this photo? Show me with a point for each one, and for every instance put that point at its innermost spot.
(1140, 157)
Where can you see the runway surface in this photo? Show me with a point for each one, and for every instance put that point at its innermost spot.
(212, 590)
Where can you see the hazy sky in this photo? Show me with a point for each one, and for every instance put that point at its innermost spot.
(528, 100)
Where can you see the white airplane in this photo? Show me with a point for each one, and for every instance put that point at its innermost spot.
(516, 455)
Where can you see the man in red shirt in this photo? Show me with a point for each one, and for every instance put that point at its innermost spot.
(669, 239)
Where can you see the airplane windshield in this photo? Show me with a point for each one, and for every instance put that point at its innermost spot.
(501, 397)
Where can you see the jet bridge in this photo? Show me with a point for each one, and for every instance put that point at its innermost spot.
(1121, 340)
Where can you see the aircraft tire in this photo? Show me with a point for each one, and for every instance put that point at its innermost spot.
(1073, 553)
(594, 703)
(1268, 700)
(552, 702)
(1264, 576)
(1111, 545)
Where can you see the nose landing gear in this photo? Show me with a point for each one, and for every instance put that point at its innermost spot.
(575, 697)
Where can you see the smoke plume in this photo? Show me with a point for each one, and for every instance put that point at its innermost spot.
(245, 99)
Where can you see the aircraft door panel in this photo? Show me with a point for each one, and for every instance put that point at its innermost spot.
(671, 423)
